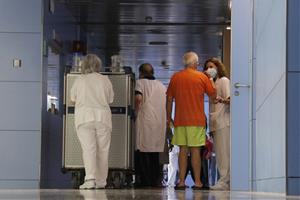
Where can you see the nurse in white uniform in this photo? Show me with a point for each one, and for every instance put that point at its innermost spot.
(150, 101)
(92, 94)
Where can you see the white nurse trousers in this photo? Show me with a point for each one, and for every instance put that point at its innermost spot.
(95, 139)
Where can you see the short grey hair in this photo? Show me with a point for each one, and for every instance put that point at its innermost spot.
(91, 63)
(190, 58)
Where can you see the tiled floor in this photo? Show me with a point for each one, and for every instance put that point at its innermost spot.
(151, 194)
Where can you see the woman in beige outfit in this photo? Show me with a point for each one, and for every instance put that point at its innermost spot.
(219, 120)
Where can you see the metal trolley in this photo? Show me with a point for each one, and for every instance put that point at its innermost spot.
(121, 153)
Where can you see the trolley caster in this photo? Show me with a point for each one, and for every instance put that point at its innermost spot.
(77, 178)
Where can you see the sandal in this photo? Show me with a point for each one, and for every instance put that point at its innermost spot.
(195, 187)
(180, 187)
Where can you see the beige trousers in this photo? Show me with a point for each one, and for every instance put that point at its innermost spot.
(222, 150)
(95, 139)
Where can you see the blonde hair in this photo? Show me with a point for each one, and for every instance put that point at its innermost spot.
(190, 58)
(91, 63)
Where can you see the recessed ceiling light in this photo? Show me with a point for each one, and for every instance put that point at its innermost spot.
(148, 19)
(158, 43)
(165, 64)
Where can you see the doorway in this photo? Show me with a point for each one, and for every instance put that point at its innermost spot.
(258, 107)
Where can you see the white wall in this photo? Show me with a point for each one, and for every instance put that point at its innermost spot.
(21, 89)
(269, 52)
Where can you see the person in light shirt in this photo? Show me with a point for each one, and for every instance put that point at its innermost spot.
(219, 120)
(150, 105)
(92, 94)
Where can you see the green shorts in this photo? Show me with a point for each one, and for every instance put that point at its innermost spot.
(191, 136)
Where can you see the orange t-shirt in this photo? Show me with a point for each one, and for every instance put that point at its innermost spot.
(188, 87)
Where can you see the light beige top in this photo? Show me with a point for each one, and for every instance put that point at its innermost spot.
(219, 114)
(151, 117)
(92, 94)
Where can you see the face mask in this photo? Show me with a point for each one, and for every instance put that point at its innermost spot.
(212, 72)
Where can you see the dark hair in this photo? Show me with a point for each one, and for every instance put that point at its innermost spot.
(146, 70)
(220, 67)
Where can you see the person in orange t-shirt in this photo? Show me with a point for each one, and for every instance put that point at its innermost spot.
(187, 88)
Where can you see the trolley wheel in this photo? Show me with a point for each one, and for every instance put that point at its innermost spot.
(119, 179)
(128, 179)
(78, 178)
(63, 170)
(114, 179)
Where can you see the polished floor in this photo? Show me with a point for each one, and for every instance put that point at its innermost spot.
(145, 194)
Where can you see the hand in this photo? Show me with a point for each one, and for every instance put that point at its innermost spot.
(218, 100)
(225, 101)
(211, 134)
(208, 75)
(221, 100)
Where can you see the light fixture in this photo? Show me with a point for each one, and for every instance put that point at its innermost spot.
(158, 43)
(165, 64)
(228, 27)
(148, 19)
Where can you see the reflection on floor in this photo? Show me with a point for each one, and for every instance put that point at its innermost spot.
(145, 194)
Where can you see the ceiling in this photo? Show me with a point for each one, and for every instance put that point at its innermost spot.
(154, 31)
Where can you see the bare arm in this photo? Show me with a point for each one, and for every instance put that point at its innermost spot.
(138, 102)
(169, 110)
(73, 94)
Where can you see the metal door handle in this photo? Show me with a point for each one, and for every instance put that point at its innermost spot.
(238, 85)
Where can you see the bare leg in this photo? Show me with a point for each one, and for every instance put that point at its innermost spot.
(182, 164)
(196, 164)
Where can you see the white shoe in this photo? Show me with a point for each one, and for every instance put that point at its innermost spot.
(220, 186)
(100, 184)
(87, 185)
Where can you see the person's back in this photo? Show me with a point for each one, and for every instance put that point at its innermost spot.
(187, 89)
(191, 85)
(94, 91)
(152, 115)
(150, 101)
